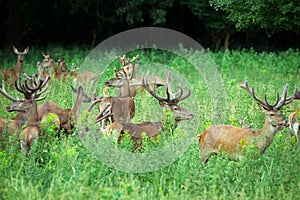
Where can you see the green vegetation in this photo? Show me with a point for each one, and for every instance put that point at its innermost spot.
(62, 168)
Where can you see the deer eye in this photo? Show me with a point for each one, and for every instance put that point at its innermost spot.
(175, 108)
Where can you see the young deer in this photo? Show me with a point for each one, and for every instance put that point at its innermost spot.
(152, 129)
(230, 139)
(32, 92)
(67, 117)
(12, 75)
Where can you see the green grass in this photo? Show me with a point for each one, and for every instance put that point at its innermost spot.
(63, 168)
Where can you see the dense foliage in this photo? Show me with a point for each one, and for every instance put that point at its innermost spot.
(273, 15)
(265, 24)
(62, 168)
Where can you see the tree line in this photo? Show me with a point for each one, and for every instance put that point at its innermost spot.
(215, 24)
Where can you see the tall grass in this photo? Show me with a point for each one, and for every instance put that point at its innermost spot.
(62, 168)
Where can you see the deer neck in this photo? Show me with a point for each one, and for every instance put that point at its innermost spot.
(268, 128)
(18, 68)
(58, 70)
(265, 136)
(20, 119)
(31, 115)
(77, 106)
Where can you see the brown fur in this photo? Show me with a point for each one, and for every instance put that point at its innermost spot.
(67, 117)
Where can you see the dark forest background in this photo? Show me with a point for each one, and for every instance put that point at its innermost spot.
(217, 24)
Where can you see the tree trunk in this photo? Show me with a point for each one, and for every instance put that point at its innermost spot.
(226, 41)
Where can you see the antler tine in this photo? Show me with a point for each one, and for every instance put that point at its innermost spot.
(41, 98)
(252, 93)
(95, 100)
(178, 96)
(284, 100)
(296, 94)
(4, 93)
(170, 95)
(101, 115)
(134, 58)
(147, 87)
(122, 60)
(276, 102)
(42, 88)
(27, 76)
(32, 88)
(182, 97)
(21, 88)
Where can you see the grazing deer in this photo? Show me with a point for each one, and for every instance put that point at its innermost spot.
(32, 92)
(230, 139)
(152, 129)
(294, 124)
(12, 75)
(67, 117)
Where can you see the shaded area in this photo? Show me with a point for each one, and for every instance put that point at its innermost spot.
(88, 22)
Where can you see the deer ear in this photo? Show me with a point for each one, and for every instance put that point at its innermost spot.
(26, 50)
(15, 50)
(74, 89)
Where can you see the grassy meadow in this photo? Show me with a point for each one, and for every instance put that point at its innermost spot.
(63, 168)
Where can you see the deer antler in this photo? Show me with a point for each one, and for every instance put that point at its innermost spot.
(297, 94)
(172, 98)
(3, 92)
(36, 87)
(278, 103)
(95, 101)
(134, 58)
(125, 61)
(104, 114)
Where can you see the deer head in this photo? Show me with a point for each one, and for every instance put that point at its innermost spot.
(172, 99)
(31, 89)
(21, 55)
(274, 116)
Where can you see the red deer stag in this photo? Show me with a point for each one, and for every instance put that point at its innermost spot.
(230, 139)
(152, 129)
(32, 92)
(12, 75)
(122, 107)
